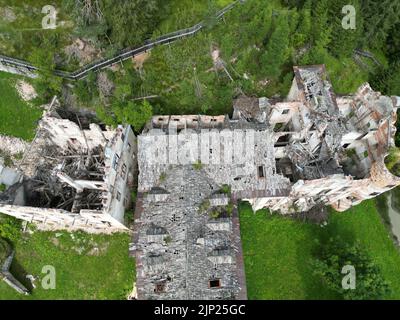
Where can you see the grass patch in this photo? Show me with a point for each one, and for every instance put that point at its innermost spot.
(277, 255)
(24, 34)
(278, 251)
(4, 251)
(392, 161)
(197, 165)
(18, 119)
(82, 272)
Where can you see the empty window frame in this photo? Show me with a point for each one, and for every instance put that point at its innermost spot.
(261, 172)
(283, 140)
(214, 283)
(123, 171)
(115, 161)
(159, 287)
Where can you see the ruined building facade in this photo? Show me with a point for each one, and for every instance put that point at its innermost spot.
(331, 148)
(76, 175)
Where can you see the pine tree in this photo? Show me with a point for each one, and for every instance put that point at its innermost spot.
(322, 27)
(302, 34)
(380, 16)
(345, 40)
(277, 49)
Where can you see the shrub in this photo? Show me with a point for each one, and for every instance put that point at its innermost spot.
(197, 165)
(229, 209)
(168, 239)
(6, 158)
(128, 216)
(350, 152)
(334, 255)
(215, 213)
(19, 155)
(392, 161)
(225, 189)
(163, 176)
(204, 206)
(9, 227)
(5, 250)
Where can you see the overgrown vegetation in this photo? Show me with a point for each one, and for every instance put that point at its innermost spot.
(9, 228)
(257, 43)
(367, 282)
(204, 206)
(7, 159)
(5, 250)
(226, 189)
(116, 25)
(221, 211)
(168, 239)
(18, 119)
(197, 165)
(22, 32)
(392, 161)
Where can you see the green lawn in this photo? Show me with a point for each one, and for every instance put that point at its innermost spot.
(18, 119)
(277, 254)
(82, 272)
(278, 251)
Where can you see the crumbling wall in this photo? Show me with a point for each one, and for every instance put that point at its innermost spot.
(9, 279)
(75, 178)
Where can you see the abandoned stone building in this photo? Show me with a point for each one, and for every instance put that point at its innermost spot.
(310, 149)
(75, 175)
(331, 148)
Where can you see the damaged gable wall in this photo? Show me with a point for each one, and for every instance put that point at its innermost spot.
(332, 147)
(75, 178)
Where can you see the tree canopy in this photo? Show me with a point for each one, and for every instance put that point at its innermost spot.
(336, 254)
